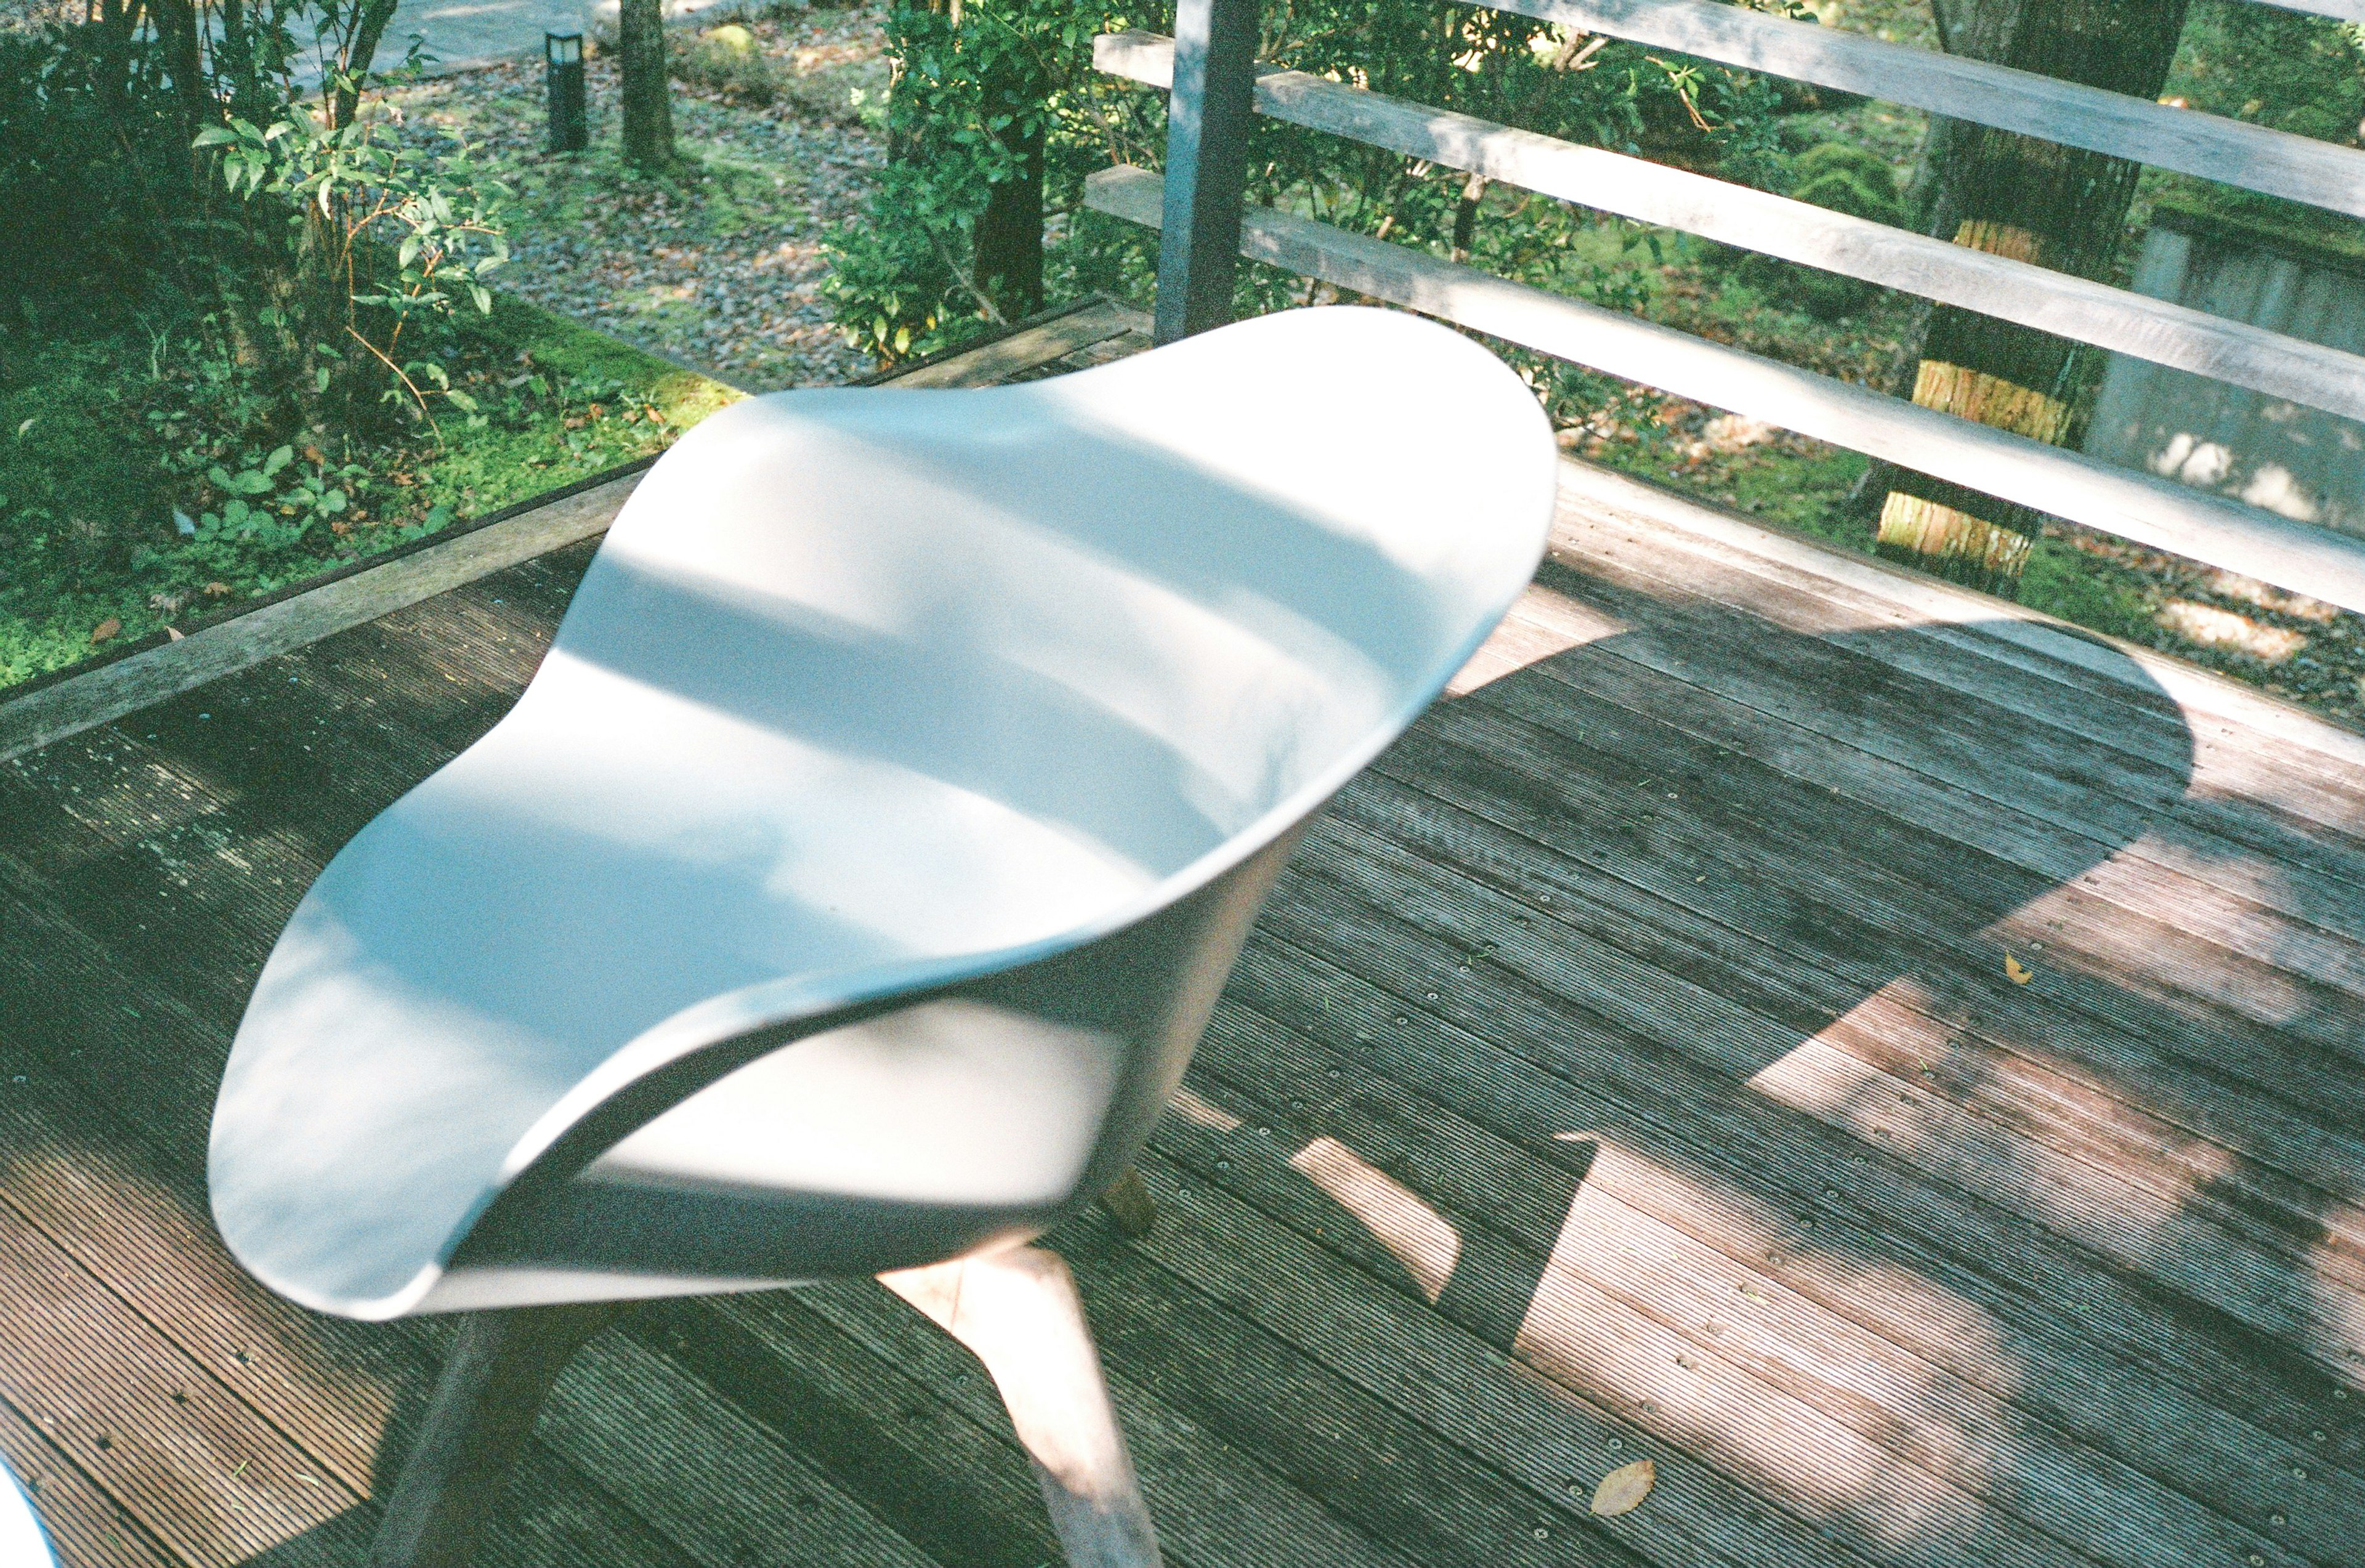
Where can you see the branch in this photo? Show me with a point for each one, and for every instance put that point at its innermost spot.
(417, 396)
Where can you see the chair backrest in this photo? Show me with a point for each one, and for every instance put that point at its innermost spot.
(1151, 602)
(1051, 675)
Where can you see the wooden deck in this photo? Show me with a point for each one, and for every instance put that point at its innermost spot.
(1896, 1064)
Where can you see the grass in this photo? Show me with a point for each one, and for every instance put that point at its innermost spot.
(114, 521)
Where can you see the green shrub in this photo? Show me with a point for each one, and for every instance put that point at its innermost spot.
(290, 265)
(1843, 177)
(992, 96)
(94, 170)
(2292, 73)
(1847, 178)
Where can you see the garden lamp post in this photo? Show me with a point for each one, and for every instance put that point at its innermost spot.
(562, 54)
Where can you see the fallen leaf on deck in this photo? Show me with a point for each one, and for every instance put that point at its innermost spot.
(2014, 972)
(1622, 1490)
(106, 628)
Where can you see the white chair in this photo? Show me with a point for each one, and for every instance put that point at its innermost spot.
(23, 1543)
(848, 890)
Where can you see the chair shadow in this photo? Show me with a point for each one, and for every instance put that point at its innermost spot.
(1810, 911)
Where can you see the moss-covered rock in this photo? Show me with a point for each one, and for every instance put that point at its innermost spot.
(728, 60)
(1843, 177)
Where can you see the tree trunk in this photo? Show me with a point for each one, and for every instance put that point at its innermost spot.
(648, 104)
(181, 31)
(1010, 235)
(2012, 196)
(361, 52)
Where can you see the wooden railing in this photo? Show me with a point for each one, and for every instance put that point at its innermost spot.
(1215, 85)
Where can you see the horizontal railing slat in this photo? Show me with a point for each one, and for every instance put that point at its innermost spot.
(2134, 506)
(2187, 141)
(2155, 329)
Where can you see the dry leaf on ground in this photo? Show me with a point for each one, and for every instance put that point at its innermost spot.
(1622, 1490)
(2012, 970)
(106, 628)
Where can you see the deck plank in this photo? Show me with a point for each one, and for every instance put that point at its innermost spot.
(1212, 1502)
(1389, 920)
(1662, 970)
(1755, 835)
(2003, 1071)
(84, 1522)
(2045, 1327)
(1939, 1358)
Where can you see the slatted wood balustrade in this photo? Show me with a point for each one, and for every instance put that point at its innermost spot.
(1215, 85)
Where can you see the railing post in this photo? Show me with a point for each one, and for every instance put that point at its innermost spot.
(1207, 163)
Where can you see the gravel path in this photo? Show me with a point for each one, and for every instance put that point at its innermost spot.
(718, 267)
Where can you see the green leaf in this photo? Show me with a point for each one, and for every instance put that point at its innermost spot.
(462, 400)
(279, 459)
(333, 502)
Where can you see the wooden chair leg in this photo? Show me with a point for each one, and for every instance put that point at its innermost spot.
(499, 1373)
(1018, 1311)
(1130, 1205)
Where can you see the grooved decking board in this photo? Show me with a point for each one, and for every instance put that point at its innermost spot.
(1576, 768)
(1742, 1150)
(1996, 1072)
(1487, 1179)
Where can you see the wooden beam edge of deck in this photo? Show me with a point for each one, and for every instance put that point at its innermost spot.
(2197, 690)
(60, 709)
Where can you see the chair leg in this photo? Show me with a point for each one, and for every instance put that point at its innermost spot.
(1018, 1311)
(1130, 1205)
(499, 1373)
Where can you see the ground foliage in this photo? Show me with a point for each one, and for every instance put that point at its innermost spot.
(246, 325)
(150, 422)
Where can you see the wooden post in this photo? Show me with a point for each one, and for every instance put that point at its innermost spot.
(1207, 163)
(499, 1373)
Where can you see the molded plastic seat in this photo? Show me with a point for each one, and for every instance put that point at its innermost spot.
(850, 885)
(23, 1543)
